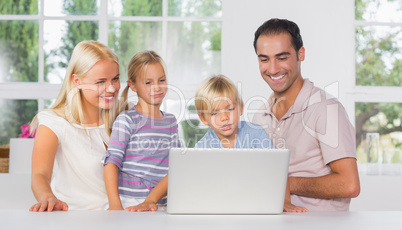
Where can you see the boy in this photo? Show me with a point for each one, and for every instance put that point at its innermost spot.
(219, 106)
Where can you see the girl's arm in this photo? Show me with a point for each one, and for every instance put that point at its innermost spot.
(111, 176)
(119, 139)
(43, 155)
(288, 206)
(156, 194)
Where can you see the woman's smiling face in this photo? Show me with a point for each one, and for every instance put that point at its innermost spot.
(100, 86)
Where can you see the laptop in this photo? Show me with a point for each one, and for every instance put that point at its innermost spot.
(227, 181)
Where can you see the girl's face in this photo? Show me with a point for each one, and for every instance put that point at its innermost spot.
(100, 86)
(150, 87)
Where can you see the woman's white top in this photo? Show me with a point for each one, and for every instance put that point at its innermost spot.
(78, 171)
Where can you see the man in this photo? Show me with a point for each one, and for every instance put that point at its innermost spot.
(323, 172)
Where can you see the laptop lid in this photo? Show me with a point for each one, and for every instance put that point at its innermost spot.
(227, 181)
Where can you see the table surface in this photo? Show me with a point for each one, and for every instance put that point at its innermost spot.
(23, 219)
(16, 198)
(378, 193)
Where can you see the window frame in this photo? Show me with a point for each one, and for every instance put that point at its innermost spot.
(369, 94)
(42, 90)
(358, 93)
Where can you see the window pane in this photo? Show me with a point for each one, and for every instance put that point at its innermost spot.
(378, 10)
(48, 103)
(195, 8)
(24, 7)
(70, 7)
(127, 38)
(13, 114)
(191, 129)
(194, 51)
(383, 118)
(378, 56)
(135, 8)
(19, 51)
(60, 39)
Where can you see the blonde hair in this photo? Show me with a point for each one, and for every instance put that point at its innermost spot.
(68, 104)
(138, 65)
(214, 89)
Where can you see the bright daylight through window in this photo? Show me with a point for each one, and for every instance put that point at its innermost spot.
(378, 70)
(37, 38)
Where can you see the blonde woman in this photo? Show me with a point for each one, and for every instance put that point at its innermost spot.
(72, 136)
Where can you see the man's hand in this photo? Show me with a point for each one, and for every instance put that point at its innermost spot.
(288, 207)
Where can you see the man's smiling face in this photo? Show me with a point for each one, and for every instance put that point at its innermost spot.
(278, 61)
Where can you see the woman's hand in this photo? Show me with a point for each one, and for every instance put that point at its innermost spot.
(49, 204)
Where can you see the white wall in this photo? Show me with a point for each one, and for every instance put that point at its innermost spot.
(327, 28)
(378, 193)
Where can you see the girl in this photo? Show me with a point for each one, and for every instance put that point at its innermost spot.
(74, 132)
(136, 163)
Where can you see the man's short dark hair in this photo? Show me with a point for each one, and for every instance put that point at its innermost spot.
(277, 26)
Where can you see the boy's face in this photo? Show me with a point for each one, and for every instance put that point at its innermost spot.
(223, 118)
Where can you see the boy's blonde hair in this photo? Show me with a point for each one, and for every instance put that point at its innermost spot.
(68, 104)
(214, 89)
(138, 65)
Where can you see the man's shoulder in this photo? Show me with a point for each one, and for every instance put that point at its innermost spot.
(260, 115)
(318, 99)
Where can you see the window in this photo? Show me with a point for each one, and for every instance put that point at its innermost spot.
(378, 83)
(37, 38)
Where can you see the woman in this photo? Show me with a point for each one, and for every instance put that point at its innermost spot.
(72, 136)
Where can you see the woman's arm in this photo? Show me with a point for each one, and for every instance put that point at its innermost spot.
(43, 156)
(154, 196)
(111, 176)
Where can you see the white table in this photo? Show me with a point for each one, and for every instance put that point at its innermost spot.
(16, 198)
(378, 193)
(75, 220)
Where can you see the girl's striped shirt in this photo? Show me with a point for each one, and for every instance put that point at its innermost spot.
(139, 146)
